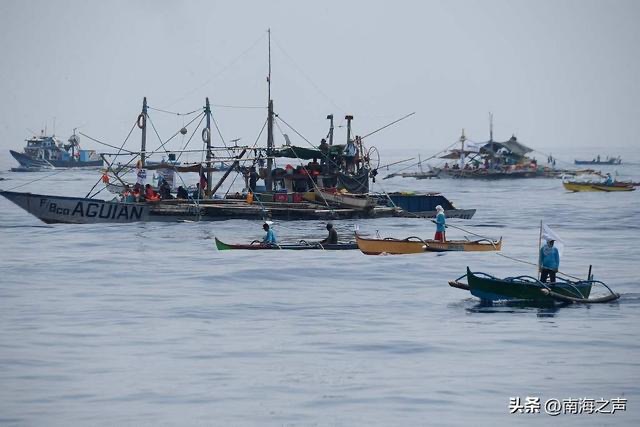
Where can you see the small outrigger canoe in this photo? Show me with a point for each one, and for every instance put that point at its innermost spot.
(593, 186)
(414, 245)
(526, 288)
(258, 245)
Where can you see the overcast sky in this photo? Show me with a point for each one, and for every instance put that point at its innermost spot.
(564, 76)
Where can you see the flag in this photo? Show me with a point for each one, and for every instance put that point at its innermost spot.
(549, 234)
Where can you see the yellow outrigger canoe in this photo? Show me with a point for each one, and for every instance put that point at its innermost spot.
(414, 245)
(591, 186)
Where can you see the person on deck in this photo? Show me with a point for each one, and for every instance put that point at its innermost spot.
(332, 238)
(609, 180)
(182, 193)
(149, 194)
(350, 153)
(549, 262)
(253, 179)
(270, 237)
(165, 190)
(324, 150)
(441, 225)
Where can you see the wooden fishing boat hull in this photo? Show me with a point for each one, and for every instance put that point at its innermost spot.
(346, 200)
(492, 289)
(77, 210)
(413, 245)
(296, 246)
(582, 186)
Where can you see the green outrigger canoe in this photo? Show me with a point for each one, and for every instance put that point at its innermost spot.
(301, 245)
(527, 288)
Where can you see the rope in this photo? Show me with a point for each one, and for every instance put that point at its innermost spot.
(222, 70)
(534, 264)
(171, 112)
(36, 180)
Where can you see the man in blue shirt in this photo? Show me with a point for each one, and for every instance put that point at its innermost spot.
(549, 262)
(270, 237)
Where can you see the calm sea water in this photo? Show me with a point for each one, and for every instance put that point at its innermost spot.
(148, 324)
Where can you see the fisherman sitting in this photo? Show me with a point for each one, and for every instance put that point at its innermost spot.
(270, 237)
(332, 238)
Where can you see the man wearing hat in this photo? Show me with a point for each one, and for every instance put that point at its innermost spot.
(440, 222)
(549, 262)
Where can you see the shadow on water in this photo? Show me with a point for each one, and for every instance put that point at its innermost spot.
(542, 309)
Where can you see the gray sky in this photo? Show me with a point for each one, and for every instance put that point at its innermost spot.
(564, 76)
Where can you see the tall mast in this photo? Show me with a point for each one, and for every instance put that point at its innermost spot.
(268, 181)
(490, 126)
(207, 110)
(330, 117)
(143, 117)
(348, 118)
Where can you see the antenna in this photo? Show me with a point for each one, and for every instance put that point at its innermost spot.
(235, 141)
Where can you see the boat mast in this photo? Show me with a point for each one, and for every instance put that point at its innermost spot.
(539, 246)
(143, 117)
(207, 111)
(268, 181)
(330, 117)
(462, 155)
(348, 118)
(490, 127)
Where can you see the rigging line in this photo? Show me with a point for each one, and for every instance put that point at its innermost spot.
(315, 86)
(238, 160)
(105, 144)
(327, 157)
(238, 106)
(37, 179)
(162, 144)
(534, 264)
(120, 149)
(221, 71)
(172, 112)
(386, 126)
(215, 123)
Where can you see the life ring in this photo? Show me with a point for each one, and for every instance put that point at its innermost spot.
(142, 121)
(206, 135)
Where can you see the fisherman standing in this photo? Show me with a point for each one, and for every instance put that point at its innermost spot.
(549, 262)
(441, 224)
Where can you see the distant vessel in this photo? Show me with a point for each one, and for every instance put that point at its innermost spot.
(48, 151)
(597, 161)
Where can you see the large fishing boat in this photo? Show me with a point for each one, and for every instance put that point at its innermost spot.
(48, 151)
(598, 161)
(281, 196)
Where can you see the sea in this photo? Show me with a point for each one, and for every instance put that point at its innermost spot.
(147, 324)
